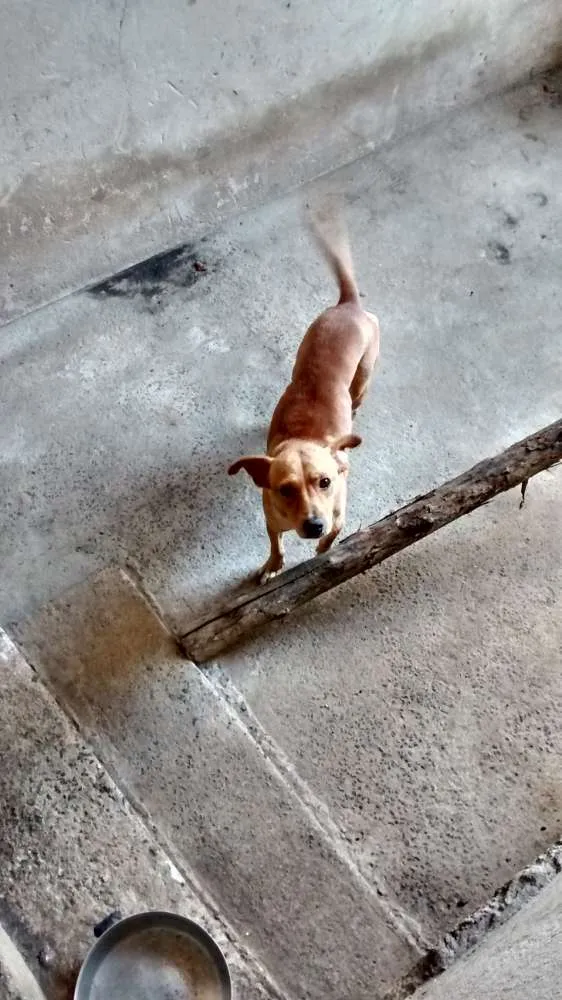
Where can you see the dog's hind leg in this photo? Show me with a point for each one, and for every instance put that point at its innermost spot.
(363, 375)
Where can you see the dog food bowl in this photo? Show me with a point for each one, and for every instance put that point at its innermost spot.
(154, 956)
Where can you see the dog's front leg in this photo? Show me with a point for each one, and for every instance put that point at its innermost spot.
(328, 540)
(276, 557)
(338, 520)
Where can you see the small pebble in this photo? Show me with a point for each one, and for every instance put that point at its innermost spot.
(46, 957)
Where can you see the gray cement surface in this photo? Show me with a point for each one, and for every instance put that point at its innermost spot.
(420, 705)
(177, 748)
(72, 850)
(520, 961)
(472, 930)
(410, 719)
(17, 981)
(138, 396)
(127, 125)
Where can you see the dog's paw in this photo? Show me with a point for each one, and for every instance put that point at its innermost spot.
(324, 545)
(267, 573)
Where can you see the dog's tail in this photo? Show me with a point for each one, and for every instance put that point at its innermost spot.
(330, 233)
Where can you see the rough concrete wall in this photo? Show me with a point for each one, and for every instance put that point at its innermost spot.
(519, 961)
(128, 127)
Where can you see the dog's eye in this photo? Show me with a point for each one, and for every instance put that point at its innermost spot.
(324, 483)
(287, 490)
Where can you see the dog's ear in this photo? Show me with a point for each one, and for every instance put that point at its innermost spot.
(342, 444)
(257, 466)
(347, 441)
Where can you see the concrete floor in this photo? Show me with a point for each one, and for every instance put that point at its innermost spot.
(72, 850)
(126, 124)
(351, 782)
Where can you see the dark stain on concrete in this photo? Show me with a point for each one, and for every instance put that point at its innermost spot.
(511, 221)
(181, 267)
(498, 251)
(538, 197)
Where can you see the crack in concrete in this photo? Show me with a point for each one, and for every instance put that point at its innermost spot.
(126, 110)
(471, 931)
(121, 23)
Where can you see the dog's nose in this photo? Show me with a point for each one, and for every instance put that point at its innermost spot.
(313, 527)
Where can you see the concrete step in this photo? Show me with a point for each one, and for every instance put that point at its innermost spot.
(518, 961)
(178, 748)
(17, 981)
(73, 850)
(516, 900)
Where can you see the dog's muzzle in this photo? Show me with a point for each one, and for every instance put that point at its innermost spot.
(313, 527)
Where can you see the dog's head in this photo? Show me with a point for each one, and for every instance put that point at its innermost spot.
(303, 480)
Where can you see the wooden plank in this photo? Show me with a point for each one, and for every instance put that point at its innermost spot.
(371, 545)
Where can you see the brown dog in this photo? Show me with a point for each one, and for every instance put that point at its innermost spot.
(303, 475)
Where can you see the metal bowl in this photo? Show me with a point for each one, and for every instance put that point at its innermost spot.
(154, 956)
